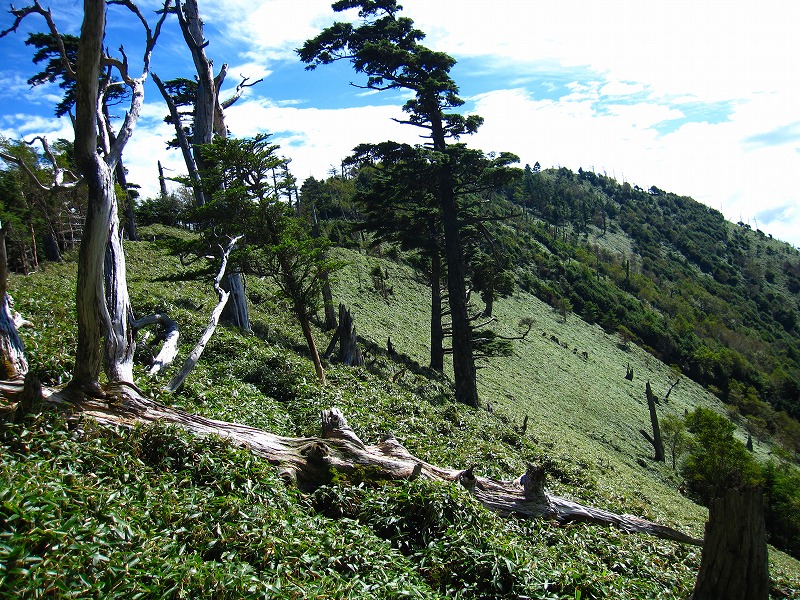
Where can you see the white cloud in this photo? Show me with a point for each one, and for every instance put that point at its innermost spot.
(271, 29)
(712, 50)
(710, 162)
(696, 98)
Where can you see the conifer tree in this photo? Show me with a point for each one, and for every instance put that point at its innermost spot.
(386, 48)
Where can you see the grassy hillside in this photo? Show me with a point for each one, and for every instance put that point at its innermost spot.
(91, 512)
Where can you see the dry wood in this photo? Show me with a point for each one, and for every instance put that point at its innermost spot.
(349, 352)
(310, 462)
(169, 348)
(655, 441)
(177, 381)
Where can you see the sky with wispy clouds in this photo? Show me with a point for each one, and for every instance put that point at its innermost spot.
(700, 97)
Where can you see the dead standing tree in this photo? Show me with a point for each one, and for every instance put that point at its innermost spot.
(655, 441)
(208, 122)
(102, 302)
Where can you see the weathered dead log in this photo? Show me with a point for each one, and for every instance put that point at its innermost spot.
(169, 349)
(177, 381)
(311, 462)
(734, 563)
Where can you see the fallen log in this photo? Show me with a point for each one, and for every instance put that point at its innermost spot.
(169, 349)
(311, 462)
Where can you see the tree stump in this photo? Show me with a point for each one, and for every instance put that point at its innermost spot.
(30, 401)
(349, 352)
(734, 564)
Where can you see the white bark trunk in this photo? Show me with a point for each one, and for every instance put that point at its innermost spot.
(14, 364)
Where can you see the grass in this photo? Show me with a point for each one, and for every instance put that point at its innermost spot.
(93, 512)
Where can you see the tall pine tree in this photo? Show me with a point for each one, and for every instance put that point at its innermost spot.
(386, 48)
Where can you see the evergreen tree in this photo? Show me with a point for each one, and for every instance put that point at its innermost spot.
(386, 48)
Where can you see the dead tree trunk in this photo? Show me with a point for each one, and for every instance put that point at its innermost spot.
(169, 348)
(102, 303)
(734, 564)
(235, 312)
(655, 441)
(349, 352)
(13, 364)
(177, 381)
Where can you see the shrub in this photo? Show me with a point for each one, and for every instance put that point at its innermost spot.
(717, 460)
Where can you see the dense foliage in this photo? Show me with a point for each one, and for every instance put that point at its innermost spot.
(720, 301)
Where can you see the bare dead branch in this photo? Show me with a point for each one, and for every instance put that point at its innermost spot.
(239, 91)
(177, 382)
(59, 173)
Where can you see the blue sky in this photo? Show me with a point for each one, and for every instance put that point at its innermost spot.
(697, 98)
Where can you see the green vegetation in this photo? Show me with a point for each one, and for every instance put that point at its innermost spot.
(153, 512)
(610, 277)
(718, 460)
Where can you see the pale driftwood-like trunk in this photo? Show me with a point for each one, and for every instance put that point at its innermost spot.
(14, 365)
(312, 461)
(169, 348)
(94, 314)
(177, 381)
(734, 564)
(102, 302)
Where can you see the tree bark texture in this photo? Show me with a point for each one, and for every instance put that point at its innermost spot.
(236, 312)
(349, 352)
(94, 314)
(169, 348)
(14, 365)
(312, 461)
(734, 564)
